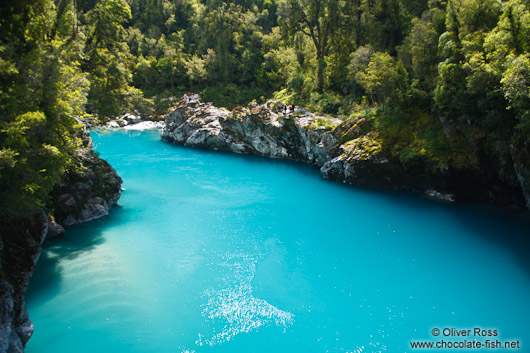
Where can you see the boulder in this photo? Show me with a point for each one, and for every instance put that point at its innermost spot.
(55, 230)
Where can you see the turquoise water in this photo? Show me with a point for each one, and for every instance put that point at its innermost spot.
(215, 252)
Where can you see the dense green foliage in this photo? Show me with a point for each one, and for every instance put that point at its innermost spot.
(412, 67)
(42, 89)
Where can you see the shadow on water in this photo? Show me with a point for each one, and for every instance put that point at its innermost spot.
(79, 239)
(502, 227)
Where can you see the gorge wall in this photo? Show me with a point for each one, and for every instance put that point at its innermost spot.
(86, 191)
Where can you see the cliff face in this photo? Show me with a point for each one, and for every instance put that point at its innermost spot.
(84, 193)
(496, 170)
(21, 247)
(348, 151)
(258, 130)
(521, 164)
(87, 192)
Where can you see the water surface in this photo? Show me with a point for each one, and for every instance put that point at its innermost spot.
(216, 252)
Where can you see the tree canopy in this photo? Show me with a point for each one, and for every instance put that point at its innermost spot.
(414, 67)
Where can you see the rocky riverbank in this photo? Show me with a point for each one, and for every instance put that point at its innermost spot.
(86, 192)
(132, 122)
(348, 150)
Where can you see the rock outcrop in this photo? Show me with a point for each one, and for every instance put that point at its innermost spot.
(258, 129)
(349, 151)
(521, 165)
(84, 193)
(132, 122)
(21, 247)
(346, 151)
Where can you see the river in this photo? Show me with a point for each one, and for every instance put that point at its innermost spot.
(218, 252)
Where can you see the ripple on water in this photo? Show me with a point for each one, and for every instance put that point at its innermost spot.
(236, 307)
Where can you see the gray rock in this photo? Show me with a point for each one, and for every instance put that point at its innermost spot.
(55, 230)
(70, 201)
(15, 344)
(69, 221)
(145, 125)
(86, 192)
(113, 125)
(6, 314)
(521, 163)
(25, 331)
(440, 196)
(22, 247)
(258, 129)
(130, 118)
(265, 131)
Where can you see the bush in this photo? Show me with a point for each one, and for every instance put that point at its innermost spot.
(326, 123)
(231, 95)
(410, 158)
(328, 103)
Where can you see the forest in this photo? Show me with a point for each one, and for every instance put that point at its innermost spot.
(444, 83)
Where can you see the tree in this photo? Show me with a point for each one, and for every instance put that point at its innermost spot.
(235, 37)
(42, 89)
(516, 88)
(108, 59)
(382, 78)
(420, 46)
(196, 69)
(317, 19)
